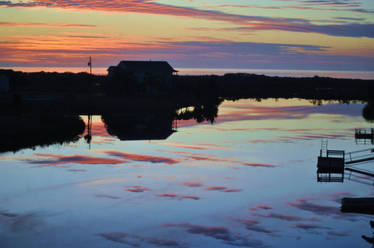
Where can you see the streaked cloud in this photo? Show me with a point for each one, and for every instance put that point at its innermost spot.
(72, 49)
(141, 157)
(46, 25)
(284, 217)
(311, 227)
(192, 183)
(54, 159)
(220, 233)
(107, 196)
(136, 188)
(140, 241)
(218, 188)
(212, 158)
(255, 226)
(249, 22)
(215, 35)
(178, 196)
(222, 189)
(320, 209)
(17, 223)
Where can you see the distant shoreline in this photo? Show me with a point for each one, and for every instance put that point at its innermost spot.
(100, 71)
(229, 86)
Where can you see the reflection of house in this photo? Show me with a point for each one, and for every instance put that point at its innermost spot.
(143, 71)
(148, 126)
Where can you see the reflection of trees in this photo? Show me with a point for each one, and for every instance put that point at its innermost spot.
(205, 110)
(368, 111)
(19, 132)
(370, 240)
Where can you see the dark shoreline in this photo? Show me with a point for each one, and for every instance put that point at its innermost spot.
(44, 108)
(229, 86)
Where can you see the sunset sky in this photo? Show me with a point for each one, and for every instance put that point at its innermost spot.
(253, 34)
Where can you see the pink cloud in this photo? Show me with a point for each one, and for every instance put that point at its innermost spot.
(220, 233)
(142, 157)
(265, 207)
(139, 241)
(218, 188)
(212, 158)
(107, 196)
(176, 196)
(254, 225)
(285, 217)
(76, 159)
(192, 183)
(137, 188)
(232, 190)
(259, 165)
(77, 170)
(148, 7)
(47, 25)
(190, 197)
(167, 195)
(195, 147)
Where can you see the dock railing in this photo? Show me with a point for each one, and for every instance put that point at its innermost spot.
(364, 132)
(359, 156)
(335, 154)
(364, 136)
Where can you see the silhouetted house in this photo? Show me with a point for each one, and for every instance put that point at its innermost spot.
(4, 83)
(143, 71)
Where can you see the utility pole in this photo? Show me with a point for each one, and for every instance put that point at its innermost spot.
(90, 65)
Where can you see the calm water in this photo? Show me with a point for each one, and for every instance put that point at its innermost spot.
(219, 71)
(248, 180)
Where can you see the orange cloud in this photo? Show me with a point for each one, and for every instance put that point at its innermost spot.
(47, 25)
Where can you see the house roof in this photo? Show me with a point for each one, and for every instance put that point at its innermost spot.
(149, 66)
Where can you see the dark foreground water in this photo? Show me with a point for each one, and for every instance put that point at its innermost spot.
(248, 180)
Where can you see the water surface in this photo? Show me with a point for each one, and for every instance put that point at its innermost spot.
(247, 180)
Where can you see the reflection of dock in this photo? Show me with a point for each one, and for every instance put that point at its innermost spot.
(364, 135)
(358, 205)
(360, 156)
(332, 163)
(330, 168)
(357, 157)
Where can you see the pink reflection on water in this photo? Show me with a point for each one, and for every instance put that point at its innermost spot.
(141, 157)
(55, 159)
(177, 196)
(137, 188)
(192, 183)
